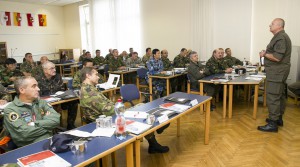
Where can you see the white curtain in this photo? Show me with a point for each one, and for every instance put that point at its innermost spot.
(115, 24)
(201, 27)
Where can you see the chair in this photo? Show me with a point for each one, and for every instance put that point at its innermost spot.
(106, 73)
(189, 90)
(130, 92)
(140, 79)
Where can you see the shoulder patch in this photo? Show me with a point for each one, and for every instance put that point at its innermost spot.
(13, 116)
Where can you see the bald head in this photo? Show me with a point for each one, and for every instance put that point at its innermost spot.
(43, 59)
(277, 25)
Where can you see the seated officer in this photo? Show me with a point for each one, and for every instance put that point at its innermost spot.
(95, 104)
(29, 119)
(10, 73)
(49, 83)
(116, 63)
(28, 66)
(77, 81)
(4, 96)
(216, 65)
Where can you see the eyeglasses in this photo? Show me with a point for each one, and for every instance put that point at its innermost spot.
(51, 68)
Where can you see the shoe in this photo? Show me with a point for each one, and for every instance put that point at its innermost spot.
(270, 127)
(155, 147)
(279, 121)
(160, 130)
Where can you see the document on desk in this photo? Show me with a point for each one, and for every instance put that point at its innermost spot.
(258, 76)
(104, 132)
(253, 78)
(135, 114)
(78, 133)
(136, 127)
(175, 107)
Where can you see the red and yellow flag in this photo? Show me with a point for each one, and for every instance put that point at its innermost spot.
(30, 19)
(42, 20)
(17, 19)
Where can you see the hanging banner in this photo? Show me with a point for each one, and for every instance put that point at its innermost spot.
(5, 18)
(42, 20)
(30, 19)
(17, 19)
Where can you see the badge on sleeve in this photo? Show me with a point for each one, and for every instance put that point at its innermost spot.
(13, 116)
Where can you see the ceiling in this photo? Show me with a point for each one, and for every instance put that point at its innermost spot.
(46, 2)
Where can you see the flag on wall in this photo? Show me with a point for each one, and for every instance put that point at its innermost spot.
(5, 18)
(17, 19)
(30, 19)
(42, 20)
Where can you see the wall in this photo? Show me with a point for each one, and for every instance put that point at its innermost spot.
(72, 27)
(232, 26)
(37, 40)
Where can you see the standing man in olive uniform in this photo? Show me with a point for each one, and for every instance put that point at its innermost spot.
(10, 73)
(115, 63)
(277, 59)
(216, 65)
(28, 66)
(49, 83)
(29, 119)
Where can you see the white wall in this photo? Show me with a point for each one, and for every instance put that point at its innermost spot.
(232, 26)
(37, 40)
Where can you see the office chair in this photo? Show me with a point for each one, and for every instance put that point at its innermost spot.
(140, 79)
(130, 92)
(189, 90)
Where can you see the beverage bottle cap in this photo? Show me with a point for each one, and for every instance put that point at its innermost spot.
(119, 100)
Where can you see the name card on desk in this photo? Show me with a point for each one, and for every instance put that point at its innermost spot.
(194, 102)
(162, 118)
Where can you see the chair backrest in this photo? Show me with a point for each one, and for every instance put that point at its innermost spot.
(106, 68)
(129, 92)
(142, 72)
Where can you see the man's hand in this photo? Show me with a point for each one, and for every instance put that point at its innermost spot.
(262, 53)
(228, 70)
(2, 102)
(163, 72)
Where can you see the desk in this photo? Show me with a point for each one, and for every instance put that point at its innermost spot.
(122, 73)
(208, 80)
(236, 81)
(146, 107)
(167, 78)
(97, 148)
(242, 81)
(61, 71)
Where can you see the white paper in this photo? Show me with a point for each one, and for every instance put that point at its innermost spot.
(167, 112)
(177, 107)
(253, 78)
(162, 118)
(105, 132)
(52, 99)
(135, 114)
(66, 78)
(58, 93)
(258, 76)
(194, 102)
(136, 127)
(78, 133)
(112, 82)
(219, 80)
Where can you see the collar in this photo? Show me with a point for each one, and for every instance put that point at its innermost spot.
(19, 103)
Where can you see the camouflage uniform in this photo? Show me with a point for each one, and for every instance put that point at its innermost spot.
(77, 81)
(4, 95)
(38, 70)
(133, 63)
(17, 115)
(108, 57)
(155, 67)
(180, 61)
(216, 66)
(114, 64)
(81, 58)
(2, 67)
(195, 75)
(27, 67)
(94, 103)
(145, 59)
(99, 60)
(167, 63)
(50, 87)
(124, 59)
(232, 61)
(5, 75)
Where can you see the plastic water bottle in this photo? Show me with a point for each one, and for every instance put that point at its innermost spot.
(120, 120)
(244, 62)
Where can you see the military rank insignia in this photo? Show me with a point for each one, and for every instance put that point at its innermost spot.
(13, 116)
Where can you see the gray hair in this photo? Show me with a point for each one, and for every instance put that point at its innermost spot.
(192, 53)
(21, 82)
(47, 64)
